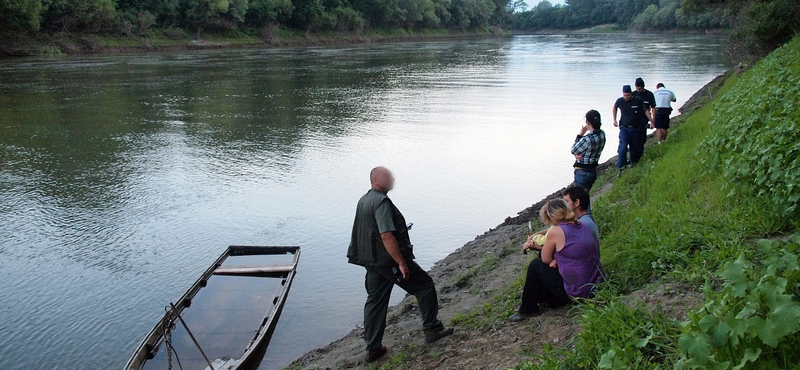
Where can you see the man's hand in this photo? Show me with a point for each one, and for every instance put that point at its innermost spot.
(578, 157)
(404, 270)
(616, 124)
(393, 249)
(553, 264)
(584, 129)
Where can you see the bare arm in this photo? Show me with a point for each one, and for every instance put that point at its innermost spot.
(390, 242)
(554, 237)
(614, 115)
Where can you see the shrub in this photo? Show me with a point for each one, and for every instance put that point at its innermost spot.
(754, 322)
(755, 141)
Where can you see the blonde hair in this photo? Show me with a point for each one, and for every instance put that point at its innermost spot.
(556, 211)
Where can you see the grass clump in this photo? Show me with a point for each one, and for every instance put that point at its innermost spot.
(617, 334)
(493, 313)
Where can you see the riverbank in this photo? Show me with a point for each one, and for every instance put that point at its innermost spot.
(667, 230)
(479, 285)
(177, 40)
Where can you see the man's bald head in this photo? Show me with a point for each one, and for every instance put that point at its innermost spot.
(381, 179)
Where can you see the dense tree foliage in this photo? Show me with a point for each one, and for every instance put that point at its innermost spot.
(138, 16)
(758, 26)
(640, 15)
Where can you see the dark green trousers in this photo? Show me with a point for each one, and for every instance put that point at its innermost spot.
(379, 283)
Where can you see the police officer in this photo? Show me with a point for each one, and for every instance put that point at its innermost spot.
(633, 117)
(650, 105)
(380, 242)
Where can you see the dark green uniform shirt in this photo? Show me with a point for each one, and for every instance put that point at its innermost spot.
(376, 214)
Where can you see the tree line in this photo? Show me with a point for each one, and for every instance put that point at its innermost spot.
(140, 16)
(639, 15)
(755, 27)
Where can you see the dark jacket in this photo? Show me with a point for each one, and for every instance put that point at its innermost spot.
(366, 245)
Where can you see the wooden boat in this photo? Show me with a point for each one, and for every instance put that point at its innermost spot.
(225, 321)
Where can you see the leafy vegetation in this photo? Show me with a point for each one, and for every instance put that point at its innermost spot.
(755, 141)
(686, 214)
(134, 17)
(756, 26)
(640, 15)
(754, 322)
(616, 335)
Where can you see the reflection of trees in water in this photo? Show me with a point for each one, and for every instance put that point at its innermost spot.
(88, 141)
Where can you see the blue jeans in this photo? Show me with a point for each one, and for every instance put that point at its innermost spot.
(628, 142)
(585, 178)
(641, 142)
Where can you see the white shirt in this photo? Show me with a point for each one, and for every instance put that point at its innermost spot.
(664, 97)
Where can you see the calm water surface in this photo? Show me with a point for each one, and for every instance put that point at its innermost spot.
(123, 177)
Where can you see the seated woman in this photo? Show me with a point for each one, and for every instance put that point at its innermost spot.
(569, 266)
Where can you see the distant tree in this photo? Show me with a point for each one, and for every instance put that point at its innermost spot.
(757, 26)
(94, 16)
(471, 13)
(517, 6)
(20, 15)
(201, 14)
(261, 12)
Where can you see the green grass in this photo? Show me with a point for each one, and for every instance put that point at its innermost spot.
(493, 313)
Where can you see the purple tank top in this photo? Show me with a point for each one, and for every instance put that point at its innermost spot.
(579, 261)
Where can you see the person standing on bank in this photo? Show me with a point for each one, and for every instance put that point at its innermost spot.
(664, 99)
(380, 242)
(569, 266)
(632, 110)
(650, 105)
(587, 149)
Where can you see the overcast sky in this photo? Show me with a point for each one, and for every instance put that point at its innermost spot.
(532, 3)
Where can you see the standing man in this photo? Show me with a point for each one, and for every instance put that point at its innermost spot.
(587, 149)
(664, 99)
(380, 242)
(632, 110)
(650, 105)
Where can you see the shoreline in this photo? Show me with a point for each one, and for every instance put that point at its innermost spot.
(66, 45)
(470, 276)
(55, 45)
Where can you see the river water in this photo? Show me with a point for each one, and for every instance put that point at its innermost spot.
(122, 177)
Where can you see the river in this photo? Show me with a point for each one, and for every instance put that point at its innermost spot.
(122, 177)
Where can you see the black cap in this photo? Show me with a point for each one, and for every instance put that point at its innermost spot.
(660, 85)
(639, 82)
(626, 88)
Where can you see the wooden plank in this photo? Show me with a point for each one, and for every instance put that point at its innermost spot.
(252, 270)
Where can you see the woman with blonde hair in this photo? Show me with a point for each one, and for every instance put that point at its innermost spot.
(569, 266)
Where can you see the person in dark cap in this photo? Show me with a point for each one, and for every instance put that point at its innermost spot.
(633, 117)
(587, 148)
(380, 242)
(664, 100)
(650, 105)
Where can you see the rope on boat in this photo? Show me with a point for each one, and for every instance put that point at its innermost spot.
(178, 314)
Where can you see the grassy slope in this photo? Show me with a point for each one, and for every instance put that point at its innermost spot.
(676, 217)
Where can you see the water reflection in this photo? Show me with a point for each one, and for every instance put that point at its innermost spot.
(123, 176)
